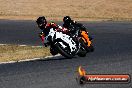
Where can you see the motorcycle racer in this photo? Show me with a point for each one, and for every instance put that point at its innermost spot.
(45, 27)
(73, 26)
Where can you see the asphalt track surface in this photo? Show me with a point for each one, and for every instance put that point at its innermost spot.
(113, 55)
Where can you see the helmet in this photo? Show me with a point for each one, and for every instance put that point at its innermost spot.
(67, 19)
(41, 21)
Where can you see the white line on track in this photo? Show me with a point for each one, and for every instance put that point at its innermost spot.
(2, 44)
(27, 60)
(21, 45)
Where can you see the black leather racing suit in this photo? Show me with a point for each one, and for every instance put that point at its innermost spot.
(73, 26)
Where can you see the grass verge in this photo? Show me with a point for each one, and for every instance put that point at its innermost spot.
(16, 52)
(60, 18)
(84, 10)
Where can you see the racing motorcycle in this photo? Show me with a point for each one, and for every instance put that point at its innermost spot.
(81, 35)
(85, 39)
(60, 42)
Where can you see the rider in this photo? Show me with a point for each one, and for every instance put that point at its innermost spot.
(44, 26)
(73, 26)
(68, 23)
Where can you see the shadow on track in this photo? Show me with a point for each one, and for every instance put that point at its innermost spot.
(54, 59)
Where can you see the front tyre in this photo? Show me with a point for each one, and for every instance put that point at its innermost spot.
(88, 49)
(91, 48)
(63, 51)
(82, 52)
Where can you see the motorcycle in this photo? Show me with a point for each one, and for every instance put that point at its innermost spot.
(85, 38)
(80, 36)
(78, 39)
(60, 42)
(88, 45)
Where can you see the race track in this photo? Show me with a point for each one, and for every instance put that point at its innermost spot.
(113, 55)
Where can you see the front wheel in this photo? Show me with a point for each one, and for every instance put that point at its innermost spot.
(63, 51)
(82, 52)
(91, 48)
(88, 49)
